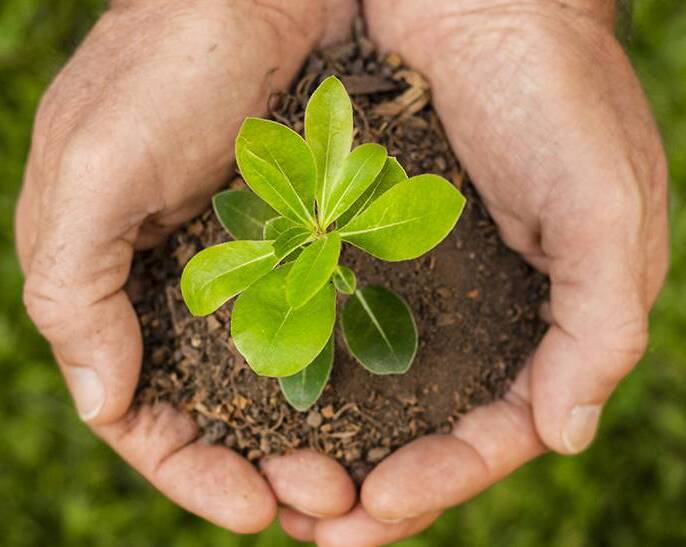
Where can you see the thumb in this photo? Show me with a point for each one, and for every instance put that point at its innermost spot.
(599, 314)
(74, 287)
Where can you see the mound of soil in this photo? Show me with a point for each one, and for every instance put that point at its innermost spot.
(475, 302)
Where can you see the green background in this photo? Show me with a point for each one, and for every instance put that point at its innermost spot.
(60, 486)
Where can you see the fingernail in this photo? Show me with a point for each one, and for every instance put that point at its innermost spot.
(312, 514)
(87, 391)
(581, 426)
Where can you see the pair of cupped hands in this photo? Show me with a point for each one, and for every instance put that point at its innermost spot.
(541, 106)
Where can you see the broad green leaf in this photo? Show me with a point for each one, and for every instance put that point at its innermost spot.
(391, 174)
(304, 388)
(379, 330)
(408, 220)
(242, 213)
(285, 150)
(329, 132)
(313, 269)
(219, 273)
(290, 240)
(278, 166)
(358, 171)
(344, 280)
(274, 227)
(274, 338)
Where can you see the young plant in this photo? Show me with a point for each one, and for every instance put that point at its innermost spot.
(309, 197)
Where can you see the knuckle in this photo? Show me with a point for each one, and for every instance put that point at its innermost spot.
(283, 20)
(42, 305)
(624, 346)
(85, 162)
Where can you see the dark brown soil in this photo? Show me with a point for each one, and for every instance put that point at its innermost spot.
(475, 303)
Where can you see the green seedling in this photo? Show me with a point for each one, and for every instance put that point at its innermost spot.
(310, 196)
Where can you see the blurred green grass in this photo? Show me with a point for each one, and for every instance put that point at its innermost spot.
(61, 487)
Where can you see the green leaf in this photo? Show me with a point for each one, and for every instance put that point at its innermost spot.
(290, 240)
(274, 227)
(242, 213)
(408, 220)
(379, 331)
(344, 280)
(219, 273)
(358, 171)
(278, 166)
(329, 132)
(274, 338)
(304, 388)
(391, 174)
(313, 269)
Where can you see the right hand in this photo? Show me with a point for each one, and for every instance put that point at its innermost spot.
(131, 140)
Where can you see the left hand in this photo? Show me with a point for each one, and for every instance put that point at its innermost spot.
(545, 112)
(131, 140)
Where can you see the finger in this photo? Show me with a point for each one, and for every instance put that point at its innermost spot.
(310, 482)
(598, 308)
(209, 481)
(297, 525)
(439, 471)
(358, 528)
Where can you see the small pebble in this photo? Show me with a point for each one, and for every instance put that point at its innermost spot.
(254, 454)
(377, 454)
(213, 323)
(328, 412)
(445, 320)
(314, 419)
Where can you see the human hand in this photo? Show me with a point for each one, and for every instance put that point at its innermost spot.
(545, 112)
(132, 139)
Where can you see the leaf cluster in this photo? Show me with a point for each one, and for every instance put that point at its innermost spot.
(310, 196)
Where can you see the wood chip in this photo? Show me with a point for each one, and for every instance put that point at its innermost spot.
(213, 323)
(394, 60)
(445, 320)
(473, 294)
(328, 412)
(184, 253)
(364, 84)
(240, 401)
(254, 454)
(196, 228)
(237, 183)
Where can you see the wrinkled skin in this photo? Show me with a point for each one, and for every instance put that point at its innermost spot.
(541, 106)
